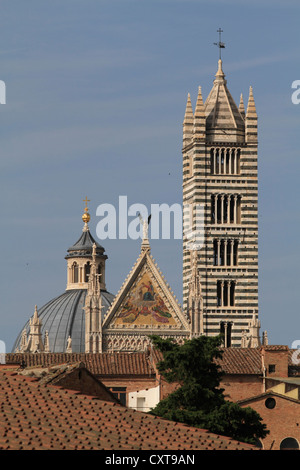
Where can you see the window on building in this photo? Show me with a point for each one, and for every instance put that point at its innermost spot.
(119, 393)
(289, 444)
(225, 252)
(225, 209)
(225, 331)
(270, 403)
(235, 246)
(75, 272)
(140, 403)
(87, 270)
(216, 260)
(225, 161)
(232, 294)
(271, 368)
(213, 210)
(225, 293)
(219, 293)
(238, 161)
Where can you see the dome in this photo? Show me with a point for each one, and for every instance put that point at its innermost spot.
(64, 316)
(84, 246)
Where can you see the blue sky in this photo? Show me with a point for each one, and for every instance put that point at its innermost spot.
(96, 94)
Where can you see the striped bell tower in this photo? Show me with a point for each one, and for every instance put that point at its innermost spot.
(220, 202)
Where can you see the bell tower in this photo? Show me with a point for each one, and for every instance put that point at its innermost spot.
(79, 258)
(220, 182)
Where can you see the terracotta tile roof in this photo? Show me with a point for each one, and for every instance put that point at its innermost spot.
(276, 347)
(241, 361)
(234, 361)
(34, 415)
(105, 364)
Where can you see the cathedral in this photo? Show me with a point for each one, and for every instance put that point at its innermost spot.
(220, 274)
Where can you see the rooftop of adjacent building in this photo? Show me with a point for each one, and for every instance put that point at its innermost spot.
(35, 414)
(234, 361)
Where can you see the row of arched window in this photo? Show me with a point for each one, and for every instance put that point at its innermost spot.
(225, 293)
(225, 252)
(225, 161)
(82, 275)
(225, 209)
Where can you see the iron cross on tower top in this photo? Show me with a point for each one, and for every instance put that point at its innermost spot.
(220, 44)
(86, 200)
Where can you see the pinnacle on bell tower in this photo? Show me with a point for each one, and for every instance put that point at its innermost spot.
(93, 307)
(220, 178)
(188, 122)
(199, 117)
(251, 119)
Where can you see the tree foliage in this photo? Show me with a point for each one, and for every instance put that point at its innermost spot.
(198, 400)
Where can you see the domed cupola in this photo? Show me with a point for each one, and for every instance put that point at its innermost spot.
(61, 323)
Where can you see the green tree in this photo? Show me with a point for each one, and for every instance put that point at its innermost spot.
(198, 400)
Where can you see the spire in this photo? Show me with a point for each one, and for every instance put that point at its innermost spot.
(223, 119)
(93, 307)
(86, 216)
(93, 282)
(251, 119)
(199, 118)
(35, 319)
(265, 338)
(251, 109)
(199, 111)
(251, 338)
(188, 122)
(242, 107)
(145, 224)
(220, 75)
(35, 343)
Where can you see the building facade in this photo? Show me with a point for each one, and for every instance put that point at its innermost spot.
(220, 200)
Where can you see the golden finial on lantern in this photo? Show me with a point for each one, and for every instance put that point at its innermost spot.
(86, 216)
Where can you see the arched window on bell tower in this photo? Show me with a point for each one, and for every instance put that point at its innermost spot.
(226, 331)
(87, 270)
(75, 272)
